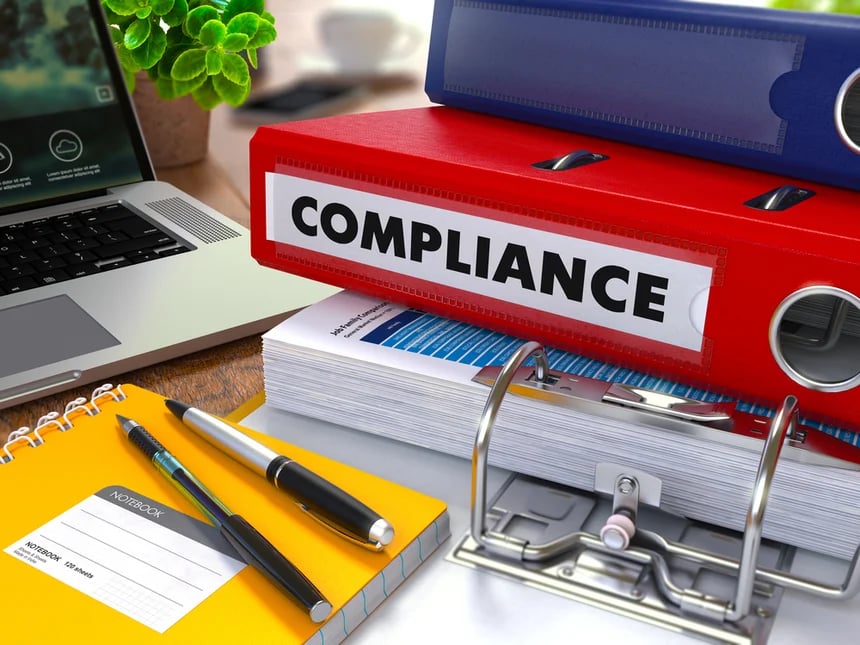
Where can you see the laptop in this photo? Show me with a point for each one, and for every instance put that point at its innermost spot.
(103, 269)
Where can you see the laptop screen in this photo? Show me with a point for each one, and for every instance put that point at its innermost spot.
(66, 130)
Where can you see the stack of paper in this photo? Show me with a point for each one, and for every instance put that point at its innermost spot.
(396, 372)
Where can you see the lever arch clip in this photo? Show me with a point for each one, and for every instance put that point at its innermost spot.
(781, 198)
(575, 159)
(652, 408)
(639, 561)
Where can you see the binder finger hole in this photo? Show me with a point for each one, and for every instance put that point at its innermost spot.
(815, 338)
(848, 112)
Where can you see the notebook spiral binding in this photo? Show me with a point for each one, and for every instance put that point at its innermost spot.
(62, 422)
(608, 556)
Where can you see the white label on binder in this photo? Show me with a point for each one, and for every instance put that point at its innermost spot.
(645, 294)
(135, 555)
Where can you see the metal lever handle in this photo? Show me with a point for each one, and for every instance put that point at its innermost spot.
(781, 427)
(482, 440)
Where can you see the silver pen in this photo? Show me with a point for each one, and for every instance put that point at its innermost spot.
(332, 506)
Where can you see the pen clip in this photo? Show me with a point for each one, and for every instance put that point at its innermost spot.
(375, 546)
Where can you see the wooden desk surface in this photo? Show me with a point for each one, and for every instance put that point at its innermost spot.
(222, 378)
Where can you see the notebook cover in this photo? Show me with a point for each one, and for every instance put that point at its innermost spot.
(42, 482)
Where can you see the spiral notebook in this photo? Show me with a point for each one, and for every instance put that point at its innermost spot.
(78, 544)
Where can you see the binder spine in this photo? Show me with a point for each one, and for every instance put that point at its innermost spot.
(768, 89)
(35, 437)
(648, 260)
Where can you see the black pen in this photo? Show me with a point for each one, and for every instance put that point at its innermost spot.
(255, 549)
(335, 508)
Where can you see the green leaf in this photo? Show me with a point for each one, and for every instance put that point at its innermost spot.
(214, 62)
(137, 33)
(151, 51)
(126, 60)
(175, 36)
(116, 35)
(234, 94)
(206, 96)
(170, 55)
(143, 12)
(187, 87)
(161, 7)
(189, 64)
(235, 7)
(235, 70)
(165, 88)
(265, 35)
(122, 7)
(198, 17)
(176, 16)
(252, 57)
(130, 80)
(244, 23)
(267, 17)
(235, 42)
(114, 18)
(213, 33)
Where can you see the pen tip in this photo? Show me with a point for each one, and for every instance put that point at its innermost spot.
(176, 407)
(125, 423)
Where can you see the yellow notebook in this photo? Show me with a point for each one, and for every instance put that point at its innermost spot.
(97, 546)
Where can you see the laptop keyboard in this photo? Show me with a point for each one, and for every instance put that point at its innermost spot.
(64, 247)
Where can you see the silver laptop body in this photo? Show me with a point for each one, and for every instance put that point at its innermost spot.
(88, 329)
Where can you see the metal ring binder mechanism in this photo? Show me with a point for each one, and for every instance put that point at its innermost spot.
(621, 552)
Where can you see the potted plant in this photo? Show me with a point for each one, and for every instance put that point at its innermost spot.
(196, 51)
(834, 6)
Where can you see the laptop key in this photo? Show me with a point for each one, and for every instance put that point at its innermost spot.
(48, 264)
(80, 256)
(51, 277)
(65, 223)
(138, 244)
(22, 257)
(41, 228)
(111, 238)
(91, 230)
(53, 251)
(35, 243)
(81, 269)
(103, 215)
(20, 284)
(82, 244)
(142, 256)
(13, 273)
(133, 227)
(114, 264)
(63, 236)
(176, 250)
